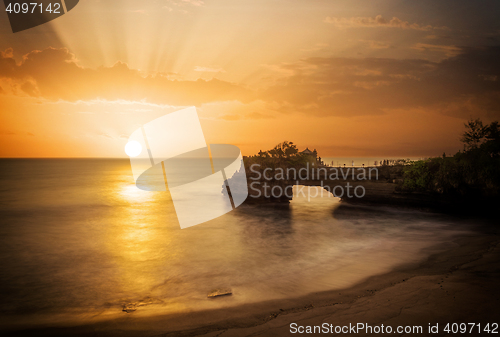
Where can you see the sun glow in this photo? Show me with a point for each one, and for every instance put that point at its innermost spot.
(133, 148)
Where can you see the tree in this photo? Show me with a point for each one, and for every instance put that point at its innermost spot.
(493, 131)
(492, 143)
(474, 134)
(471, 174)
(290, 149)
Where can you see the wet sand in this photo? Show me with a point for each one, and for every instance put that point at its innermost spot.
(460, 285)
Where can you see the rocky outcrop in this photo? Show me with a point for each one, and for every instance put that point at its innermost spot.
(382, 187)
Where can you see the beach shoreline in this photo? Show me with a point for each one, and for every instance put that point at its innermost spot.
(454, 285)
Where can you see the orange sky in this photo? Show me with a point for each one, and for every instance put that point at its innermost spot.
(350, 78)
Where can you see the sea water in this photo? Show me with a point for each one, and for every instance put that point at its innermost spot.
(78, 239)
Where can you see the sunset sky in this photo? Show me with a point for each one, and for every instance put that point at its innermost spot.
(349, 78)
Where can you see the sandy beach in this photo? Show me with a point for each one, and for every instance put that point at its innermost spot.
(459, 285)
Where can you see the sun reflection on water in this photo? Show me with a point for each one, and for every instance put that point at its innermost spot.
(131, 194)
(137, 238)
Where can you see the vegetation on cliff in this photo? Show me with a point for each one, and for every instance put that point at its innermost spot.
(284, 155)
(475, 172)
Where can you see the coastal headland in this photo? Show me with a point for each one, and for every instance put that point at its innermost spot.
(382, 185)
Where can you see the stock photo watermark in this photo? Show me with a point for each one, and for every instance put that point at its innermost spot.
(294, 182)
(207, 181)
(170, 154)
(32, 13)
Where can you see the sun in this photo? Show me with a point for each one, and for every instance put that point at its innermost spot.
(133, 148)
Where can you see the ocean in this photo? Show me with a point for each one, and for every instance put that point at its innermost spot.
(78, 241)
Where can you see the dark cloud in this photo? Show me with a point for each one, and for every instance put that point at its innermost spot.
(348, 86)
(54, 74)
(7, 64)
(30, 88)
(377, 21)
(464, 85)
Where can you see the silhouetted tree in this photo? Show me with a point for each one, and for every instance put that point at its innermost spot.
(474, 134)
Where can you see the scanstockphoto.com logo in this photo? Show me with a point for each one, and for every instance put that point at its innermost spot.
(205, 181)
(28, 14)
